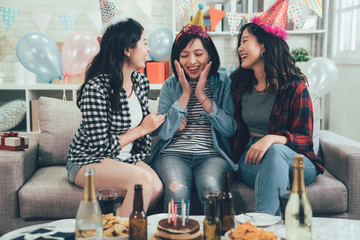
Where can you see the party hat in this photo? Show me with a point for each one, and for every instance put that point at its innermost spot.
(108, 11)
(196, 26)
(273, 20)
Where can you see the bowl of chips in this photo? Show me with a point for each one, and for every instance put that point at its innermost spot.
(247, 231)
(115, 227)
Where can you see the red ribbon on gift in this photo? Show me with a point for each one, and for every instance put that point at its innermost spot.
(11, 134)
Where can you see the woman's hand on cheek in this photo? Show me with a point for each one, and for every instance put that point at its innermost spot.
(200, 87)
(187, 89)
(258, 150)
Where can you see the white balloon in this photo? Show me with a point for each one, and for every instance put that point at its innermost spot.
(322, 75)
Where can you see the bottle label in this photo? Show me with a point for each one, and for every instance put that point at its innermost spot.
(89, 234)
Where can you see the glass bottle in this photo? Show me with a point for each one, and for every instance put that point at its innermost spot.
(226, 205)
(89, 216)
(138, 220)
(212, 224)
(298, 213)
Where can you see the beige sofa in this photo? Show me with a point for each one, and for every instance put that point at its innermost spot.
(34, 186)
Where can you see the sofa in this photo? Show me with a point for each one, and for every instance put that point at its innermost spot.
(34, 186)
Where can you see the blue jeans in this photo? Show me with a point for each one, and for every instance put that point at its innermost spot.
(180, 172)
(275, 170)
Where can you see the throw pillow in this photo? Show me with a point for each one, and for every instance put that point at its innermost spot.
(316, 122)
(11, 114)
(58, 121)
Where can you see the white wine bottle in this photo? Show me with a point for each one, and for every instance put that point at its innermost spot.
(89, 216)
(298, 213)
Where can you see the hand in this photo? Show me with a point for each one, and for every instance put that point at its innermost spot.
(200, 87)
(258, 150)
(187, 89)
(152, 121)
(182, 125)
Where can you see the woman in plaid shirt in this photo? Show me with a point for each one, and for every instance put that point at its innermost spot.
(114, 135)
(274, 113)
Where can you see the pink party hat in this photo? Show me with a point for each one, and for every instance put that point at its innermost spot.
(273, 20)
(108, 11)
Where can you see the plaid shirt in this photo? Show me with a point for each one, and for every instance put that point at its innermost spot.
(98, 135)
(291, 116)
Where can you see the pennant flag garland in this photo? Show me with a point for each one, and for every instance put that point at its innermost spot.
(108, 11)
(95, 18)
(181, 5)
(294, 12)
(315, 5)
(215, 17)
(68, 19)
(145, 6)
(8, 15)
(234, 21)
(42, 20)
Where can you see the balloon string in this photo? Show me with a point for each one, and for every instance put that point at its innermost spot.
(64, 82)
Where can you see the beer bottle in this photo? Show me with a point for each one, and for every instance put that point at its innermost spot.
(137, 220)
(226, 205)
(89, 216)
(212, 224)
(298, 213)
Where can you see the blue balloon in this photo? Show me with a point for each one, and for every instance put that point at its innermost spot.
(40, 55)
(160, 43)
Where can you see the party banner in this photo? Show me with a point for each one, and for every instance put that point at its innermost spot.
(108, 11)
(42, 20)
(294, 11)
(234, 21)
(145, 6)
(181, 5)
(8, 15)
(215, 17)
(68, 19)
(316, 6)
(95, 18)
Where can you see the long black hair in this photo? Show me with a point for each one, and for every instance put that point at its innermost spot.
(280, 66)
(117, 38)
(208, 44)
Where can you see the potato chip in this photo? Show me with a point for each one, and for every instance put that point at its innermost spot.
(247, 231)
(114, 226)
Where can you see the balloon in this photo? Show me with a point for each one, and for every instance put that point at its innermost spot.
(322, 75)
(77, 51)
(160, 43)
(40, 55)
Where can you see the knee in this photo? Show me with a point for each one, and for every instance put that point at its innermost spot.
(275, 154)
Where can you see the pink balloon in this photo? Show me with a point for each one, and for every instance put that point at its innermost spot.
(77, 51)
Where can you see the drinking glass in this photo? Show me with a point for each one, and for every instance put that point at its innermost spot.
(284, 195)
(108, 200)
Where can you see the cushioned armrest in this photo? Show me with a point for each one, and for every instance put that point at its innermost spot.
(16, 167)
(341, 158)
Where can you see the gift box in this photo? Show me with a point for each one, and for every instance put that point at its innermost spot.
(157, 72)
(12, 141)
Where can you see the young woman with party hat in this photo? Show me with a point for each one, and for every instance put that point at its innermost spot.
(273, 110)
(194, 149)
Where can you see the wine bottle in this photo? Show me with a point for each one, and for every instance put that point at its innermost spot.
(226, 205)
(298, 213)
(212, 224)
(89, 216)
(138, 220)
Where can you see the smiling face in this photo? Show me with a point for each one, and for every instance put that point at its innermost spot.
(137, 56)
(250, 51)
(193, 59)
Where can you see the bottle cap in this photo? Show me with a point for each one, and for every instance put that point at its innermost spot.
(138, 187)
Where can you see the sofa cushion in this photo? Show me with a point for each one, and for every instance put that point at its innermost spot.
(58, 120)
(49, 195)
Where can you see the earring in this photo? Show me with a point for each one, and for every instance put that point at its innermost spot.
(262, 54)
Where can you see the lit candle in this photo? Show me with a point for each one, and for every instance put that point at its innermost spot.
(169, 210)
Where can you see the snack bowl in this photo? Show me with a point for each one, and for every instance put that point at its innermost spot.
(227, 235)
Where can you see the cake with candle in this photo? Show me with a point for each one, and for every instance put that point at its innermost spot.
(178, 230)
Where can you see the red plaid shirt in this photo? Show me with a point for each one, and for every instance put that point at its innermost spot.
(291, 116)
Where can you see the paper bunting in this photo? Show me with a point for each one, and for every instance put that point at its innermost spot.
(95, 18)
(294, 11)
(68, 19)
(181, 5)
(315, 5)
(108, 11)
(145, 6)
(8, 15)
(234, 21)
(215, 17)
(42, 20)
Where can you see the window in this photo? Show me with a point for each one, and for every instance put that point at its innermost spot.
(346, 31)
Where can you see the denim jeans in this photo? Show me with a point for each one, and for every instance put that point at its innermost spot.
(180, 172)
(275, 170)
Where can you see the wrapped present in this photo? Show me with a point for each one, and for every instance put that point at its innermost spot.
(157, 72)
(12, 141)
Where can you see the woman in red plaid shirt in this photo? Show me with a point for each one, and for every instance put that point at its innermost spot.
(274, 114)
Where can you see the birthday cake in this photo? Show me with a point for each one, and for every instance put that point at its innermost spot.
(189, 231)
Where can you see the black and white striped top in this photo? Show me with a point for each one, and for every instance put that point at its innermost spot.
(196, 137)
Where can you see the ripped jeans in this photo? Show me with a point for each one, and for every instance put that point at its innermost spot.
(180, 172)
